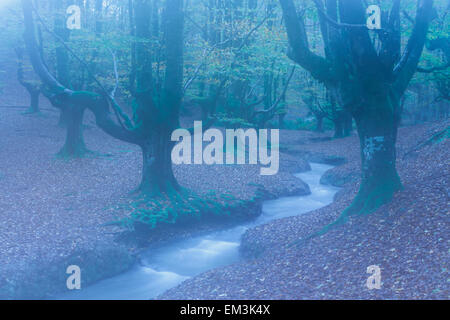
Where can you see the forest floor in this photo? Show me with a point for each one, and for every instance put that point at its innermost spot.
(53, 211)
(408, 238)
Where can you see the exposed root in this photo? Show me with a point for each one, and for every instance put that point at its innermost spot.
(368, 200)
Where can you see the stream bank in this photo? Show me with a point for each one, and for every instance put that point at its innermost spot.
(164, 267)
(407, 238)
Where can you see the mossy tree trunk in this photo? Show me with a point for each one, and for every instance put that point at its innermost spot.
(74, 146)
(34, 101)
(319, 126)
(377, 131)
(338, 127)
(63, 118)
(159, 107)
(157, 173)
(342, 121)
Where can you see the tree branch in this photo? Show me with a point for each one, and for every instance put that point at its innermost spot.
(339, 25)
(97, 103)
(407, 66)
(318, 66)
(118, 111)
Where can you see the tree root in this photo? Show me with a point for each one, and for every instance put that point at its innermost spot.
(367, 201)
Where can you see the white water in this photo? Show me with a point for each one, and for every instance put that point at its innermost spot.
(168, 266)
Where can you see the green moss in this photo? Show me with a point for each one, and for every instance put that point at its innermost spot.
(370, 197)
(177, 208)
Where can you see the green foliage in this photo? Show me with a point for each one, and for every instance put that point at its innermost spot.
(178, 208)
(247, 50)
(227, 122)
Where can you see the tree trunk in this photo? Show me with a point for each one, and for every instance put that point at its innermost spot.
(74, 146)
(338, 127)
(443, 109)
(63, 118)
(347, 124)
(377, 129)
(319, 127)
(281, 120)
(370, 89)
(157, 173)
(34, 104)
(342, 124)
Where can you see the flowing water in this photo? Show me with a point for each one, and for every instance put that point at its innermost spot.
(169, 265)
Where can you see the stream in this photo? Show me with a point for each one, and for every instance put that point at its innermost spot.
(163, 268)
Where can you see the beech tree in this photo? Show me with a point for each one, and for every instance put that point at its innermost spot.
(156, 106)
(367, 74)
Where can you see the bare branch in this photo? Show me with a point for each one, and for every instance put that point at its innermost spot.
(206, 53)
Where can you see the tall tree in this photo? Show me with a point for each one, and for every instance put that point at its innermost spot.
(158, 110)
(367, 79)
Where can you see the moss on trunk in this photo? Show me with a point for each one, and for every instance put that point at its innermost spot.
(157, 173)
(74, 146)
(34, 101)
